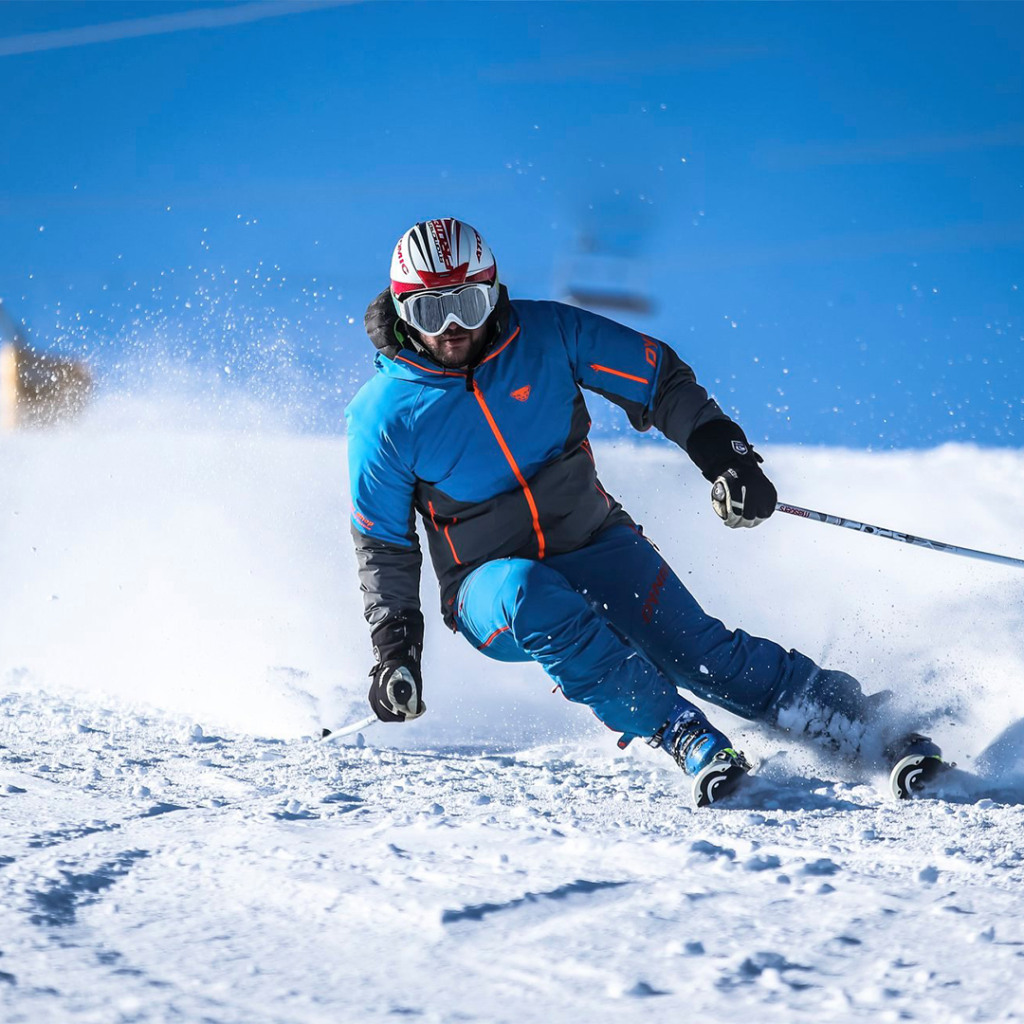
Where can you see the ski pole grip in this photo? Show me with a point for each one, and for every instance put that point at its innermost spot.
(718, 491)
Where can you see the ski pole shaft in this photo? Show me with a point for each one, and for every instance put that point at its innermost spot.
(906, 538)
(329, 735)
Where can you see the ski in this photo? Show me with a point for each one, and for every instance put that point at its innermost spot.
(911, 775)
(931, 778)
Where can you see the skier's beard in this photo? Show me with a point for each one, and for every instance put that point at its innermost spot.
(457, 348)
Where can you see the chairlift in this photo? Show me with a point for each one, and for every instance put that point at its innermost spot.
(602, 281)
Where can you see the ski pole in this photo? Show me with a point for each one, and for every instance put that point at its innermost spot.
(879, 531)
(329, 735)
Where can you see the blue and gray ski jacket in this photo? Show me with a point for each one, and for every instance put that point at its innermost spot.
(496, 459)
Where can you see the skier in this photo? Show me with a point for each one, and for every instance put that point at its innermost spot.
(475, 418)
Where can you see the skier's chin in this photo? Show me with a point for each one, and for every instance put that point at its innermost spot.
(455, 351)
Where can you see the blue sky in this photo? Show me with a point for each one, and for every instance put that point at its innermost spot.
(825, 202)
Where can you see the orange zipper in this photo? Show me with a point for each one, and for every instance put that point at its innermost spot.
(450, 544)
(510, 458)
(619, 373)
(447, 535)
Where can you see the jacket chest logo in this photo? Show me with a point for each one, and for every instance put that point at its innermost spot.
(521, 394)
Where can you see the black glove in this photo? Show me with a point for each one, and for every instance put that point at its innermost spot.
(742, 495)
(382, 323)
(396, 692)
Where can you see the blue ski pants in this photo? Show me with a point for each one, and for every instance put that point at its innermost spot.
(616, 630)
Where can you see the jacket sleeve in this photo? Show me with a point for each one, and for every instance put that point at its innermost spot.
(383, 527)
(641, 374)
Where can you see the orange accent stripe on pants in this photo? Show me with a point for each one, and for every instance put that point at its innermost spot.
(497, 632)
(510, 458)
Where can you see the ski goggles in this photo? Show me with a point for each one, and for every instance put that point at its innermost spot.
(432, 312)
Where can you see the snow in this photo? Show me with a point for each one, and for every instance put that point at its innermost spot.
(180, 616)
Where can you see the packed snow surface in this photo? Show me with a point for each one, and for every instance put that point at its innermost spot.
(179, 617)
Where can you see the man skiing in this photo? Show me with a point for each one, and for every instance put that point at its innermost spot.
(476, 419)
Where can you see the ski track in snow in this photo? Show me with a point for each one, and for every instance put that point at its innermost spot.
(498, 860)
(151, 873)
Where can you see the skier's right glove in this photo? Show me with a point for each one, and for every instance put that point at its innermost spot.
(396, 690)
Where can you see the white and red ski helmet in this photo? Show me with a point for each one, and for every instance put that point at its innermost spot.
(440, 254)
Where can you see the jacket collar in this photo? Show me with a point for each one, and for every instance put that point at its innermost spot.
(409, 363)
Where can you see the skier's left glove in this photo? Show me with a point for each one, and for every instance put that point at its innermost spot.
(741, 494)
(396, 690)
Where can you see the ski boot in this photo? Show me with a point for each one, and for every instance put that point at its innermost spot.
(703, 753)
(916, 761)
